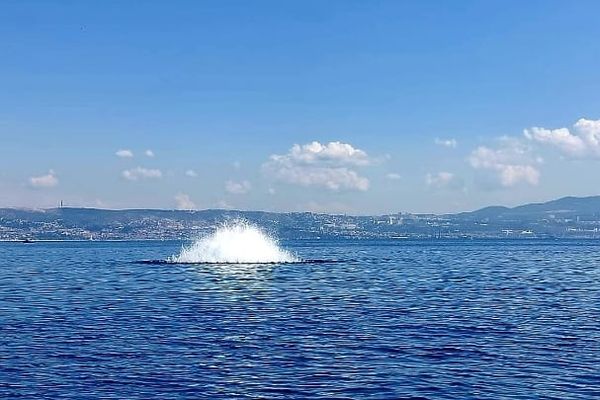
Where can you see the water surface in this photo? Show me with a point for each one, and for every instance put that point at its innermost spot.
(391, 320)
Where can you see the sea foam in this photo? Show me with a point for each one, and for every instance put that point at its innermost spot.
(238, 242)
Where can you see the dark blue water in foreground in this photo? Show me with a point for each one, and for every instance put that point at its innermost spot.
(397, 320)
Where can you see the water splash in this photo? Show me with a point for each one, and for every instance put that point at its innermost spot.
(235, 243)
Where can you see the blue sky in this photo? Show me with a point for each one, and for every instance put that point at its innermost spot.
(415, 106)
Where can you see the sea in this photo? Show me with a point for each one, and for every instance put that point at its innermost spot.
(348, 319)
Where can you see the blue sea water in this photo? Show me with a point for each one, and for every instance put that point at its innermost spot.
(390, 320)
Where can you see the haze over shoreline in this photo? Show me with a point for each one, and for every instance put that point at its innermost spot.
(567, 200)
(568, 217)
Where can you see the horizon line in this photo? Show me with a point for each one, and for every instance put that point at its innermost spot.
(280, 212)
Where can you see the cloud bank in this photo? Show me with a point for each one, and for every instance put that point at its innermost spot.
(330, 166)
(441, 180)
(233, 187)
(512, 163)
(44, 181)
(582, 141)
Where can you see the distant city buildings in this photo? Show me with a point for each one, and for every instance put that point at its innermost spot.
(66, 223)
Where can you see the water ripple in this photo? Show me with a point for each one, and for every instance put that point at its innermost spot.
(409, 320)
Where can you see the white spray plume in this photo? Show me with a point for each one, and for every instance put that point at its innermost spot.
(238, 242)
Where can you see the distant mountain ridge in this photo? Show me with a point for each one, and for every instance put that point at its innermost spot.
(570, 205)
(568, 217)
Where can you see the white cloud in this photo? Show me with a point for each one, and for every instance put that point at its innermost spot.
(393, 176)
(560, 138)
(271, 191)
(149, 153)
(333, 152)
(452, 143)
(237, 187)
(137, 173)
(582, 141)
(331, 178)
(510, 175)
(184, 202)
(191, 173)
(511, 162)
(124, 153)
(441, 180)
(315, 164)
(44, 181)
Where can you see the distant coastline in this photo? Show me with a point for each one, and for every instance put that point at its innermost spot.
(568, 217)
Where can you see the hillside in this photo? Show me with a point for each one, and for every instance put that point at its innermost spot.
(566, 217)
